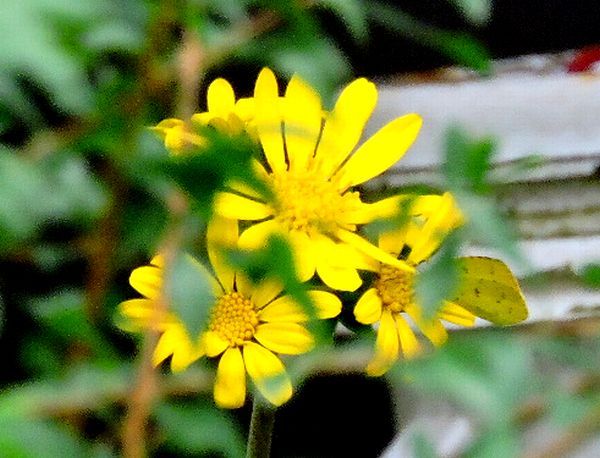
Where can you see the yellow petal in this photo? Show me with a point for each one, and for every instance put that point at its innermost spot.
(234, 206)
(175, 341)
(365, 213)
(142, 314)
(213, 344)
(147, 280)
(265, 292)
(243, 285)
(268, 119)
(408, 341)
(221, 234)
(230, 382)
(268, 374)
(302, 122)
(286, 338)
(371, 250)
(344, 125)
(326, 305)
(338, 277)
(454, 313)
(380, 152)
(386, 346)
(283, 309)
(432, 329)
(304, 253)
(369, 307)
(256, 236)
(426, 241)
(221, 98)
(245, 108)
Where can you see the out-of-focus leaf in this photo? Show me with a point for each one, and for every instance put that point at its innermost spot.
(66, 186)
(590, 275)
(488, 375)
(465, 169)
(190, 292)
(199, 429)
(352, 13)
(500, 442)
(37, 439)
(439, 279)
(477, 11)
(20, 203)
(64, 315)
(467, 161)
(203, 173)
(422, 447)
(457, 46)
(31, 46)
(84, 387)
(311, 54)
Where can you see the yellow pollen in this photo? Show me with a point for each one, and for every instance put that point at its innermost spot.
(395, 288)
(308, 202)
(234, 318)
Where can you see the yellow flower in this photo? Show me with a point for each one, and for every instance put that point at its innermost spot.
(487, 288)
(313, 165)
(224, 114)
(248, 326)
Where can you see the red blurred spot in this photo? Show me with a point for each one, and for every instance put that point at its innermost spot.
(585, 59)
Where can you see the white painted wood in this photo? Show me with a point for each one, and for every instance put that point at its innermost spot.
(552, 115)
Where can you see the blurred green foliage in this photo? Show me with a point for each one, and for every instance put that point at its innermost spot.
(87, 193)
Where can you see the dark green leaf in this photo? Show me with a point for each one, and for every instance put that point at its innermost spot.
(352, 13)
(458, 46)
(590, 275)
(439, 278)
(477, 11)
(199, 429)
(190, 292)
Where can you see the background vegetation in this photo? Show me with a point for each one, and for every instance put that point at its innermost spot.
(87, 193)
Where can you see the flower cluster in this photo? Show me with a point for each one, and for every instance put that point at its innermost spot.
(312, 164)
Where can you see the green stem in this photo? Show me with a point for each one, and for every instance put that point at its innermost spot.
(261, 429)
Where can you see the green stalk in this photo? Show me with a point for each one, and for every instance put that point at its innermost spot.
(261, 430)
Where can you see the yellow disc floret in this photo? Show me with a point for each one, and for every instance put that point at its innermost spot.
(234, 318)
(395, 288)
(306, 202)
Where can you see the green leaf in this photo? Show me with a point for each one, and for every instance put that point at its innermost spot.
(467, 161)
(478, 12)
(590, 275)
(199, 429)
(37, 439)
(439, 279)
(458, 46)
(32, 46)
(63, 314)
(422, 447)
(352, 13)
(190, 292)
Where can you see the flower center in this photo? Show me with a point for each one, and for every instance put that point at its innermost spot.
(306, 202)
(234, 318)
(395, 288)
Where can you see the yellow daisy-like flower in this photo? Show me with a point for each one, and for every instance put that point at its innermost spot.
(249, 325)
(224, 113)
(312, 168)
(391, 297)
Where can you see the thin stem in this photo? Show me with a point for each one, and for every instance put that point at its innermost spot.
(261, 430)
